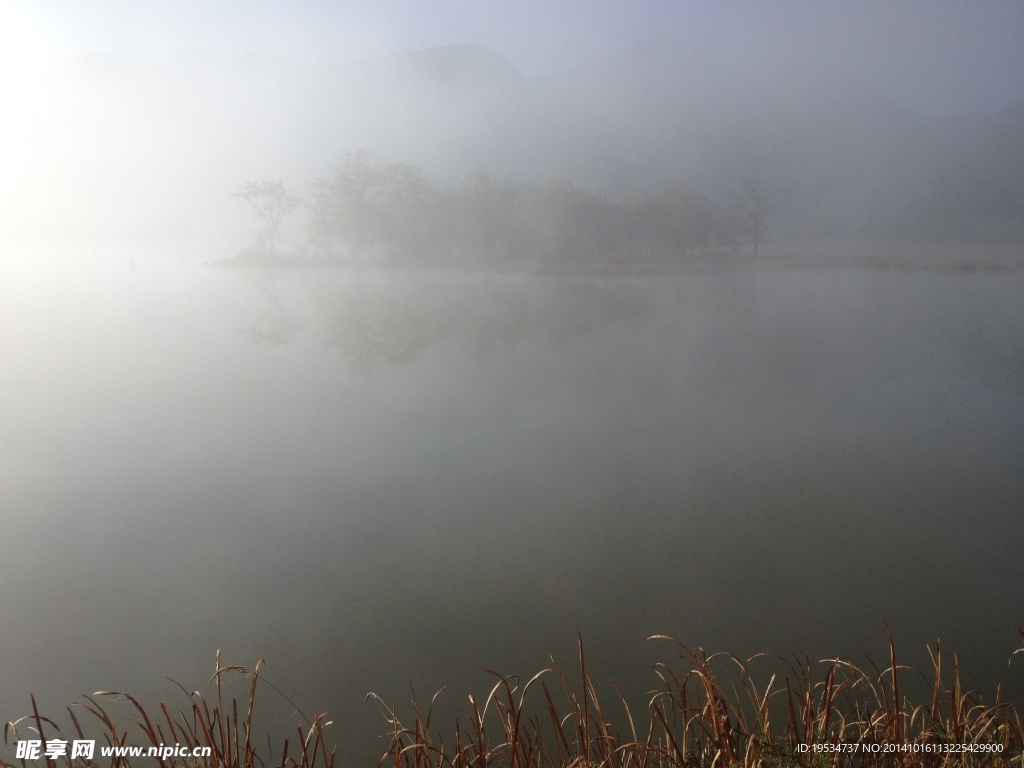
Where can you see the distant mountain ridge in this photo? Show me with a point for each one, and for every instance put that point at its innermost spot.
(454, 66)
(840, 161)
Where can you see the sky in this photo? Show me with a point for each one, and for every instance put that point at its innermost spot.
(939, 57)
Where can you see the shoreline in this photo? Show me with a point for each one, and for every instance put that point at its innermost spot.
(838, 255)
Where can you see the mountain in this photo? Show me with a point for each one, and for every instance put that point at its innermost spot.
(462, 69)
(116, 147)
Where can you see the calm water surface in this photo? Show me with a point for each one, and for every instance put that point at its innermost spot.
(377, 479)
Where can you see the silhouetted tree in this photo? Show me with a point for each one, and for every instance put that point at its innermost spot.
(394, 210)
(344, 205)
(671, 223)
(489, 218)
(272, 202)
(750, 210)
(406, 216)
(391, 209)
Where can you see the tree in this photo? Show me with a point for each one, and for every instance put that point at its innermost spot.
(670, 223)
(750, 208)
(384, 210)
(272, 202)
(491, 217)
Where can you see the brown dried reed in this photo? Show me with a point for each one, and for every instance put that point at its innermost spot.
(718, 712)
(228, 735)
(715, 711)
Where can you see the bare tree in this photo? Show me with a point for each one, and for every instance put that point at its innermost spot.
(750, 207)
(272, 202)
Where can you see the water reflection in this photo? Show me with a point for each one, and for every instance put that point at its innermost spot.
(396, 318)
(401, 476)
(275, 325)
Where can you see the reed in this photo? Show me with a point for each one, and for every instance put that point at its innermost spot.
(216, 724)
(721, 710)
(706, 711)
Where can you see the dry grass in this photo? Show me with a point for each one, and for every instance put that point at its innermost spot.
(722, 710)
(713, 711)
(227, 733)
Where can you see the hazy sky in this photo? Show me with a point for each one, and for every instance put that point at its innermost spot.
(938, 56)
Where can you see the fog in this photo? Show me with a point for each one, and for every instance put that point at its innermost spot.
(389, 346)
(133, 126)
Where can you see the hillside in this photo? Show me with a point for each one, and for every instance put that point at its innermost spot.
(117, 148)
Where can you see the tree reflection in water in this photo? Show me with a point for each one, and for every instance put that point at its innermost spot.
(371, 317)
(275, 325)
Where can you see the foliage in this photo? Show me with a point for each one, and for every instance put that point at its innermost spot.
(392, 212)
(373, 210)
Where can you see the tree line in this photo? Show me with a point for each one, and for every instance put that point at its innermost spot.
(393, 212)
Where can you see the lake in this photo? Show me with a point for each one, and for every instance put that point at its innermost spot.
(377, 479)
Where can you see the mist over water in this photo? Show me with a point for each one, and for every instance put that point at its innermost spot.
(376, 479)
(391, 345)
